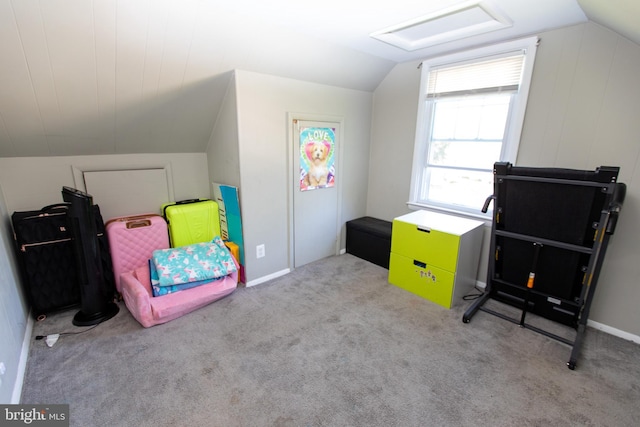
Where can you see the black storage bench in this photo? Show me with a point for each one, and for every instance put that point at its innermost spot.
(370, 239)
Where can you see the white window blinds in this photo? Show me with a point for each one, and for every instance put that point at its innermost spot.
(493, 75)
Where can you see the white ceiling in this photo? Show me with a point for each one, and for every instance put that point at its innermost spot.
(140, 76)
(349, 22)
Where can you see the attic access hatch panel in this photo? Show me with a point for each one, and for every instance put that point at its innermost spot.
(453, 23)
(122, 192)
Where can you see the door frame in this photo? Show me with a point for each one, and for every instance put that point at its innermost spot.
(291, 187)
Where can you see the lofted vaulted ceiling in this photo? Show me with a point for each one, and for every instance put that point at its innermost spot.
(81, 77)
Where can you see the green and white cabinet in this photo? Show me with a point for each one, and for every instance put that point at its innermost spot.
(435, 255)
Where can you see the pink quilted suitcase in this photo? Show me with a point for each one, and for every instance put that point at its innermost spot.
(133, 239)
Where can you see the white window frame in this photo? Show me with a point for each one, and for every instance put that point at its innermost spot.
(513, 127)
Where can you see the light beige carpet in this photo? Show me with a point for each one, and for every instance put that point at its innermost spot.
(331, 344)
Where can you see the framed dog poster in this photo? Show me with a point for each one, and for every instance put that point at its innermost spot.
(317, 160)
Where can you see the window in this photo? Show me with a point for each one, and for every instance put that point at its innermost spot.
(470, 116)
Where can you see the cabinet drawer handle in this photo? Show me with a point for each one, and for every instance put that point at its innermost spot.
(424, 230)
(419, 264)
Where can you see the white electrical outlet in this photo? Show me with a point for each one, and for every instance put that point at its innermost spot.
(260, 251)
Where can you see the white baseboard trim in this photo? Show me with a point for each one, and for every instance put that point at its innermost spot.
(595, 325)
(22, 363)
(268, 277)
(614, 331)
(276, 274)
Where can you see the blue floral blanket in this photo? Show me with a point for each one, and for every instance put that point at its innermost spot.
(176, 269)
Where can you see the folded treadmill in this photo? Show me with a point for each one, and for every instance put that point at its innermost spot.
(549, 235)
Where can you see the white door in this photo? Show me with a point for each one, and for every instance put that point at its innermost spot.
(315, 190)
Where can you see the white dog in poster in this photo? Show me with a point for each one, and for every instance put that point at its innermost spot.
(318, 169)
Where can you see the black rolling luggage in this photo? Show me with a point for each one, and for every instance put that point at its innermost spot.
(47, 260)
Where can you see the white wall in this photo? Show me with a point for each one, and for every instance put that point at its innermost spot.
(263, 104)
(222, 151)
(582, 113)
(32, 182)
(395, 108)
(13, 309)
